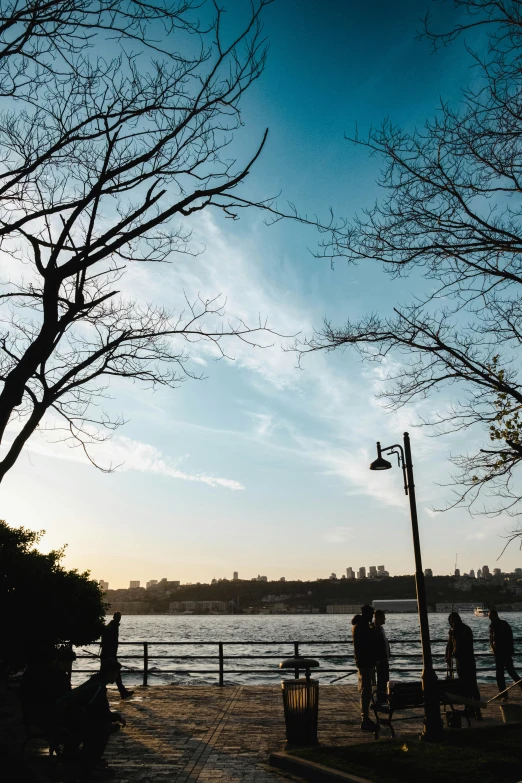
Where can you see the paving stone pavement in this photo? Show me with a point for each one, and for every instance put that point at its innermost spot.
(207, 734)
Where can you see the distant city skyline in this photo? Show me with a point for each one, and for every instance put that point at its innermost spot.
(482, 572)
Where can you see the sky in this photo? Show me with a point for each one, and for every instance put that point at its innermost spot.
(262, 466)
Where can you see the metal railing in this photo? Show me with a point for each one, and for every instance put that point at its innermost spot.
(295, 648)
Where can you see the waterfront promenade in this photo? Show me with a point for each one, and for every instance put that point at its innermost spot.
(206, 734)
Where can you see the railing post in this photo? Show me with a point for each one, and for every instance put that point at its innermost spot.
(221, 663)
(69, 672)
(145, 664)
(296, 655)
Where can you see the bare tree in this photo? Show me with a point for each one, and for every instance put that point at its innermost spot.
(42, 39)
(452, 209)
(102, 163)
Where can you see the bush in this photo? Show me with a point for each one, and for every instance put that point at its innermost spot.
(42, 603)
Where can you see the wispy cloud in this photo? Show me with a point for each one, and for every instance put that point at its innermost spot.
(130, 455)
(353, 468)
(233, 268)
(263, 423)
(338, 535)
(480, 529)
(133, 455)
(333, 397)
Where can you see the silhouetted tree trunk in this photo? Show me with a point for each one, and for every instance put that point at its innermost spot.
(117, 126)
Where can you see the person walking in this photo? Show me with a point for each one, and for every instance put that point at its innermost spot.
(364, 648)
(109, 650)
(501, 643)
(382, 654)
(460, 648)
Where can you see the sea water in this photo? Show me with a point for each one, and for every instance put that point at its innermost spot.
(331, 635)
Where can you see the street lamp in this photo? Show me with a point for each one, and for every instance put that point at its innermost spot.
(432, 721)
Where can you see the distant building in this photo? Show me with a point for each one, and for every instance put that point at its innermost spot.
(104, 585)
(479, 573)
(457, 572)
(129, 607)
(211, 606)
(261, 578)
(350, 573)
(214, 581)
(235, 576)
(361, 573)
(282, 578)
(472, 574)
(497, 573)
(518, 573)
(428, 572)
(333, 576)
(133, 585)
(457, 606)
(151, 583)
(380, 568)
(485, 572)
(179, 607)
(396, 605)
(373, 570)
(270, 599)
(343, 609)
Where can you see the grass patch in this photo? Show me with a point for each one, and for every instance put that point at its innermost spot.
(488, 755)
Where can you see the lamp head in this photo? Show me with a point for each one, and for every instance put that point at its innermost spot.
(380, 464)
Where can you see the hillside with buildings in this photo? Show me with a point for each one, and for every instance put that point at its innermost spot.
(332, 595)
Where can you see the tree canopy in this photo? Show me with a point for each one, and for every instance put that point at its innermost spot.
(43, 604)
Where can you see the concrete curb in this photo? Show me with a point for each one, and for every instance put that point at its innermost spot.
(309, 770)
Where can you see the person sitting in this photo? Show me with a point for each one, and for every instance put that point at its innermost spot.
(45, 680)
(86, 711)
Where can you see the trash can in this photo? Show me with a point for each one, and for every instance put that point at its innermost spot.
(511, 713)
(301, 702)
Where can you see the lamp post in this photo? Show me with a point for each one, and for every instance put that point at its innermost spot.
(432, 730)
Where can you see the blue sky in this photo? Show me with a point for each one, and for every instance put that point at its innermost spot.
(262, 467)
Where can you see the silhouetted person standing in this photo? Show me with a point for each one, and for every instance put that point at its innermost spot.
(109, 650)
(460, 647)
(501, 643)
(364, 648)
(382, 653)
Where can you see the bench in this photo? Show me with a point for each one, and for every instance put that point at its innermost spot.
(399, 696)
(39, 723)
(38, 726)
(409, 695)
